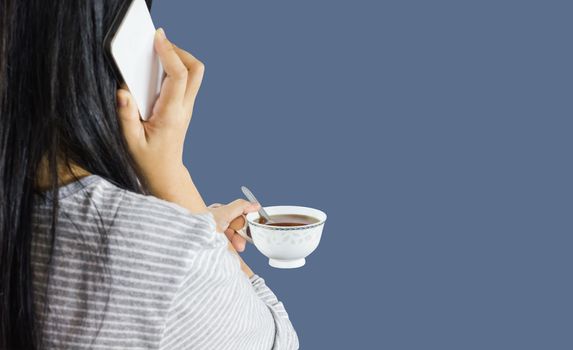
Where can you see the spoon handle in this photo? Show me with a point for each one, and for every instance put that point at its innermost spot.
(251, 197)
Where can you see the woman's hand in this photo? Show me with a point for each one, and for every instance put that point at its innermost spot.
(157, 144)
(230, 218)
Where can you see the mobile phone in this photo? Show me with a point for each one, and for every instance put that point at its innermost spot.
(129, 49)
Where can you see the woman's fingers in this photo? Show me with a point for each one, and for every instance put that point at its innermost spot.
(229, 233)
(252, 208)
(238, 223)
(175, 82)
(196, 71)
(231, 217)
(239, 242)
(129, 118)
(236, 240)
(239, 207)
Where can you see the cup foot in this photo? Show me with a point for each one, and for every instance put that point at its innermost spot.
(287, 264)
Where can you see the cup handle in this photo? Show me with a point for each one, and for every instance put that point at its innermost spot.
(243, 233)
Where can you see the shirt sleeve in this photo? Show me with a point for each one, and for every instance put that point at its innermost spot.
(217, 307)
(285, 335)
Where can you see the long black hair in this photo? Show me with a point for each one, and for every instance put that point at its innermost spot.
(57, 102)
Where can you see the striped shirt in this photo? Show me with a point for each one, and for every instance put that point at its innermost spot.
(130, 271)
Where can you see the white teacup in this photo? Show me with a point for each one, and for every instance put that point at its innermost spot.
(285, 246)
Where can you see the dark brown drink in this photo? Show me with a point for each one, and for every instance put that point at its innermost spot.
(289, 220)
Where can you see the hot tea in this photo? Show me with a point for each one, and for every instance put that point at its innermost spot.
(289, 220)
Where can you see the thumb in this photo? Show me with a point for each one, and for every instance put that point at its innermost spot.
(128, 115)
(239, 207)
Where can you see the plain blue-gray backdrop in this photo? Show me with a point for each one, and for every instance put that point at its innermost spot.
(437, 136)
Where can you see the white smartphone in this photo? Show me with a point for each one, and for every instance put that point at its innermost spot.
(130, 51)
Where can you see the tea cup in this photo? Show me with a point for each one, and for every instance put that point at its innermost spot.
(285, 246)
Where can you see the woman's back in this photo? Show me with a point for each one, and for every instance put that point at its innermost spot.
(119, 268)
(130, 271)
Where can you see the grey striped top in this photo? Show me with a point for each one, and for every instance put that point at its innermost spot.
(130, 271)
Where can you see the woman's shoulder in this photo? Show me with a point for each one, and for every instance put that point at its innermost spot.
(150, 213)
(142, 218)
(149, 246)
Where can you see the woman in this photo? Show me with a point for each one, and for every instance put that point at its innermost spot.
(105, 243)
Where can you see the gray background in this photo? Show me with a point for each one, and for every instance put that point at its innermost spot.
(435, 134)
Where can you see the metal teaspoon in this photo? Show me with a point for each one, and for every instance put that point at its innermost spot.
(251, 197)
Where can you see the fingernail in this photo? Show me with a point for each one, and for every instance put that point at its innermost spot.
(161, 33)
